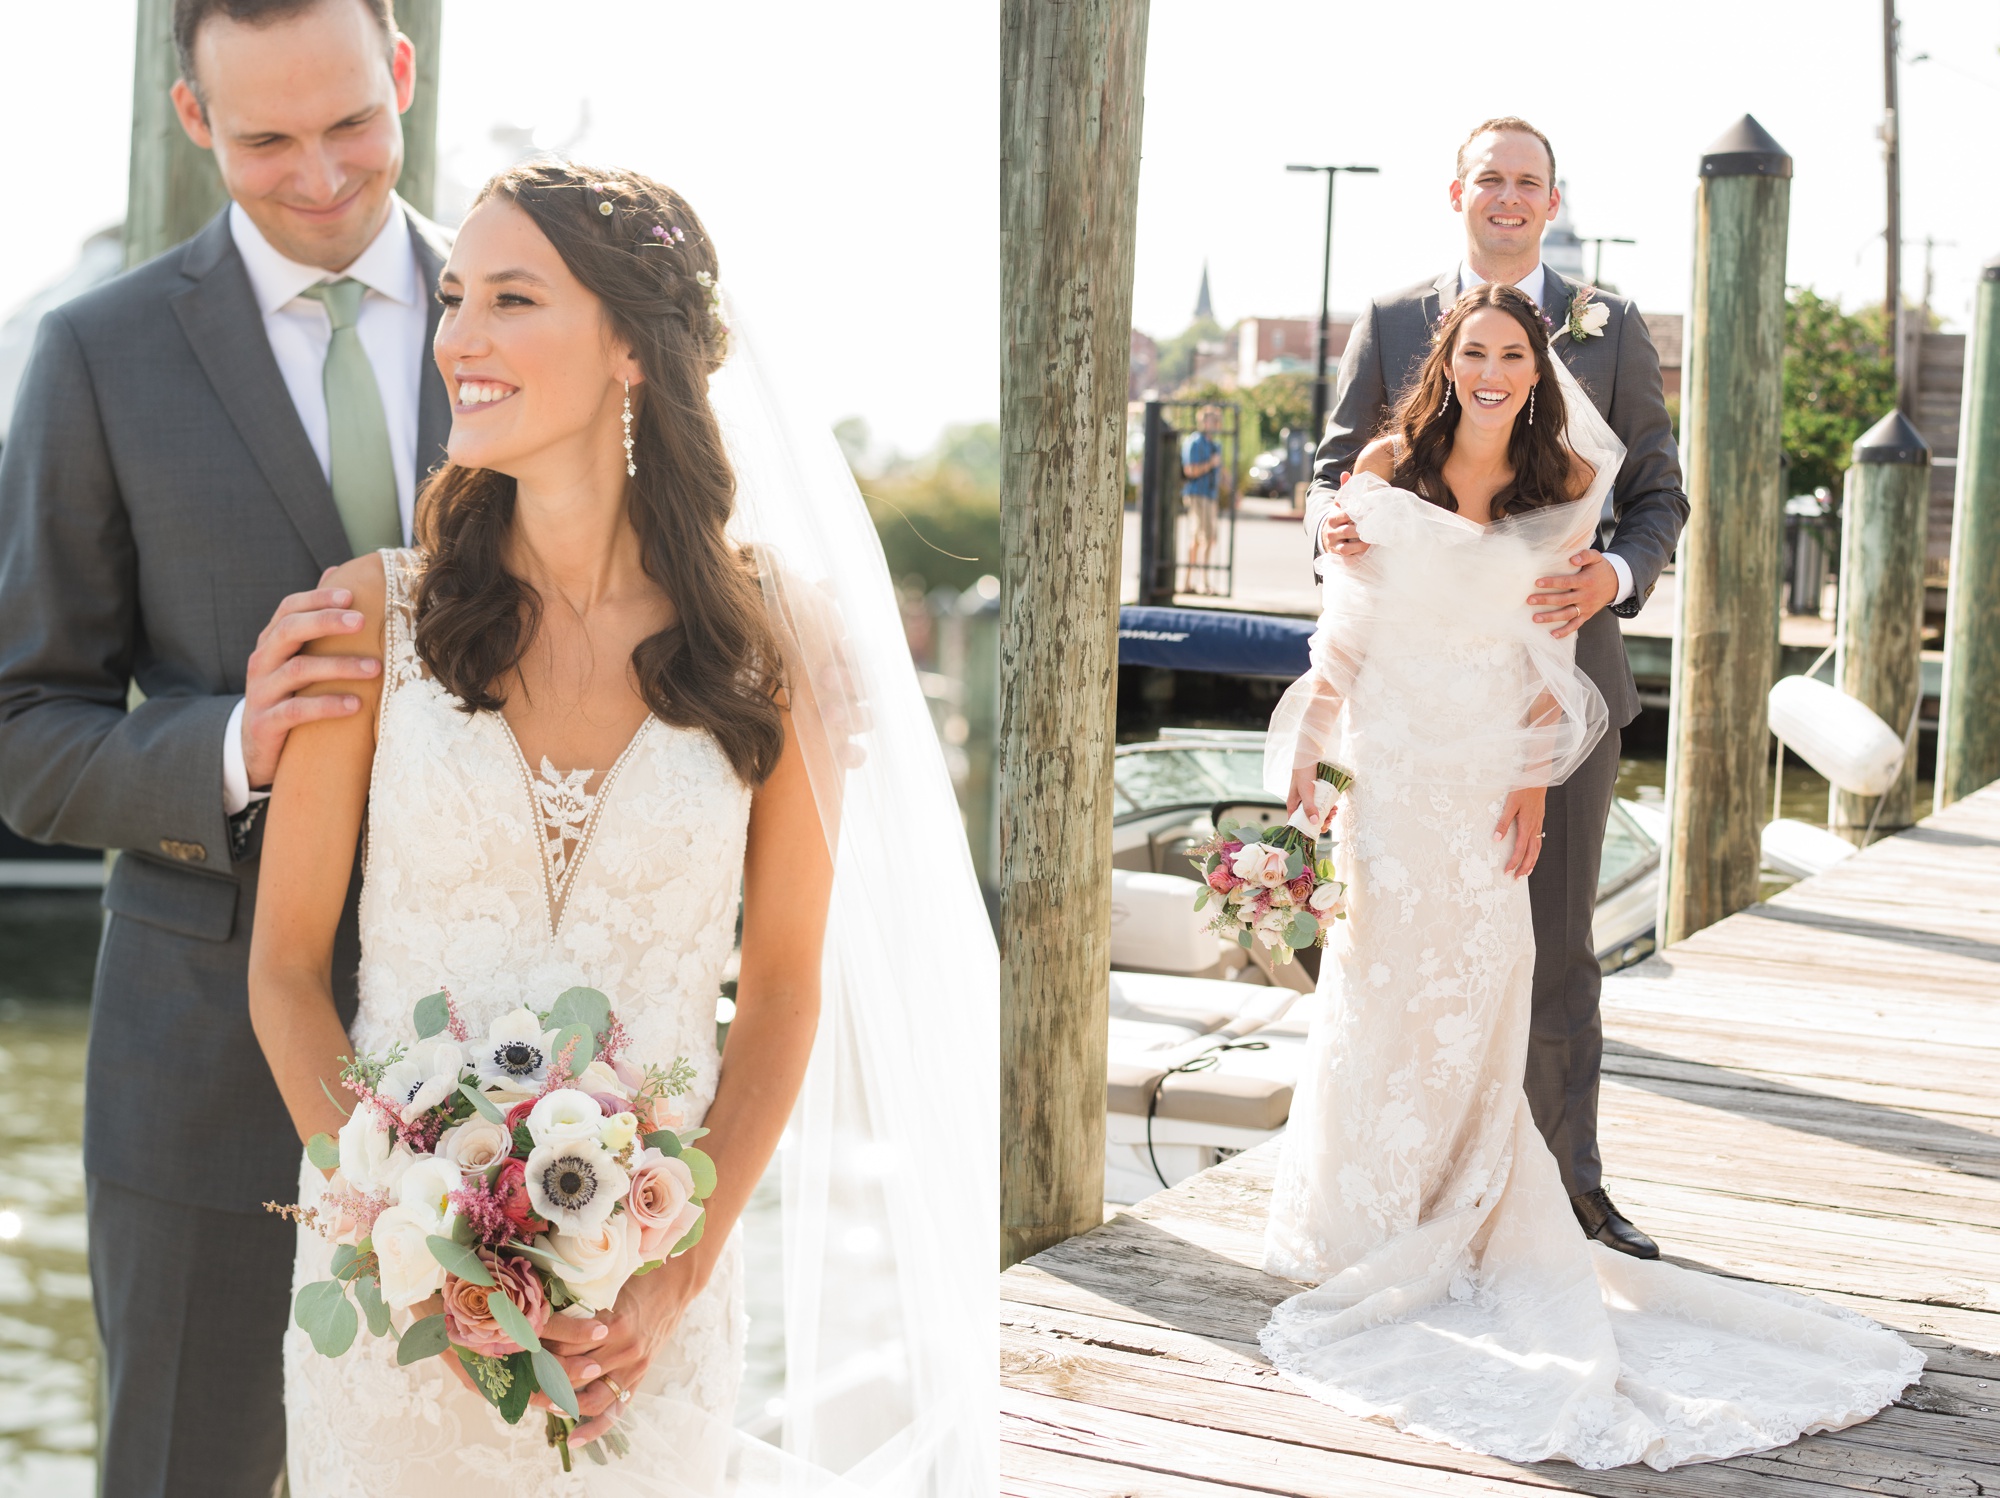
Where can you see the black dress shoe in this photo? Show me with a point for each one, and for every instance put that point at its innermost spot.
(1609, 1226)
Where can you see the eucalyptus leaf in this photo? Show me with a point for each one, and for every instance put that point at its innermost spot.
(1201, 900)
(703, 1169)
(595, 1451)
(432, 1015)
(666, 1141)
(647, 1268)
(324, 1151)
(346, 1261)
(425, 1339)
(581, 1006)
(368, 1291)
(1302, 932)
(345, 1111)
(542, 1259)
(323, 1313)
(1295, 865)
(692, 1237)
(1243, 940)
(688, 1136)
(459, 1260)
(507, 1316)
(486, 1106)
(555, 1383)
(586, 1046)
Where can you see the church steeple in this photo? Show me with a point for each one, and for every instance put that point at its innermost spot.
(1203, 312)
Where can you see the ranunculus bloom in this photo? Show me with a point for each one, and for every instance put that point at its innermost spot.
(603, 1259)
(1222, 881)
(409, 1273)
(661, 1202)
(518, 1114)
(1327, 895)
(476, 1144)
(468, 1312)
(1260, 863)
(511, 1186)
(564, 1115)
(575, 1184)
(617, 1131)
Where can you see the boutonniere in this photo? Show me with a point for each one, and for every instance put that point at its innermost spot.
(1587, 317)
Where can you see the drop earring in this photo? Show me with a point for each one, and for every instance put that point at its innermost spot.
(631, 468)
(1531, 405)
(1445, 404)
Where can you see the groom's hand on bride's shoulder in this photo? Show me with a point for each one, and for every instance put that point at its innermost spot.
(278, 671)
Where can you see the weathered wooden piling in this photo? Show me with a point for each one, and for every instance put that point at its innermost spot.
(1879, 634)
(1969, 715)
(1725, 651)
(174, 188)
(1072, 81)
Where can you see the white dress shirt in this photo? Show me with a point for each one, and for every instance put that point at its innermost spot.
(1532, 285)
(392, 325)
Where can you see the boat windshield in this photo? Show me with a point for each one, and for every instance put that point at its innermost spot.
(1159, 776)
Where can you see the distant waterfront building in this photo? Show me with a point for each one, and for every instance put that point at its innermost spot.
(1283, 345)
(1561, 249)
(1143, 380)
(1665, 329)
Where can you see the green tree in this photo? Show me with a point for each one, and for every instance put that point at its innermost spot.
(1177, 353)
(1840, 379)
(939, 515)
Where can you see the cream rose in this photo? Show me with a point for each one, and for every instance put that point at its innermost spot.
(661, 1202)
(603, 1259)
(1326, 896)
(1259, 863)
(409, 1273)
(476, 1144)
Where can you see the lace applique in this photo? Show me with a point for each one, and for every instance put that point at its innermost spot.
(401, 664)
(566, 807)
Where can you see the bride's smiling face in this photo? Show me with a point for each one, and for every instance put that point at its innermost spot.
(533, 368)
(1492, 368)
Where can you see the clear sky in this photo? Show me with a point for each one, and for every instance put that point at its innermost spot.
(1630, 94)
(844, 156)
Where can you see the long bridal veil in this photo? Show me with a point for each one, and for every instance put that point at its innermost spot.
(890, 1185)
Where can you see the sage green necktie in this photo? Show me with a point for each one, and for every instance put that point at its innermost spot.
(364, 473)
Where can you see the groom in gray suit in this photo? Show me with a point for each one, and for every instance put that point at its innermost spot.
(196, 443)
(1506, 191)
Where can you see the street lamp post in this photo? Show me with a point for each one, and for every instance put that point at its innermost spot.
(1325, 286)
(1599, 241)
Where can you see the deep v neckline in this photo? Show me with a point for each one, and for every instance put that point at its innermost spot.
(563, 811)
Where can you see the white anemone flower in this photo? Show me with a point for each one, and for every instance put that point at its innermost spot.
(563, 1115)
(516, 1053)
(424, 1078)
(575, 1184)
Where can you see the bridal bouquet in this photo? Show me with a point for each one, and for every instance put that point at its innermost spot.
(526, 1175)
(1267, 883)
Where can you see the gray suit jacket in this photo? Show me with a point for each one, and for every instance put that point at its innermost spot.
(158, 497)
(1620, 371)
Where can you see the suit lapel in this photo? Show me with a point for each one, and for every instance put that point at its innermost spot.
(1580, 354)
(433, 400)
(1558, 291)
(219, 316)
(1439, 299)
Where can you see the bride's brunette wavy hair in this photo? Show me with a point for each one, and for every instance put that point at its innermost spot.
(1426, 418)
(640, 250)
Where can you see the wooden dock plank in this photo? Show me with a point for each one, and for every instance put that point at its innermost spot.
(1806, 1094)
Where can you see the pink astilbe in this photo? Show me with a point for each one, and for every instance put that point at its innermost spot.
(614, 1040)
(361, 1208)
(560, 1074)
(375, 1100)
(454, 1022)
(484, 1210)
(420, 1134)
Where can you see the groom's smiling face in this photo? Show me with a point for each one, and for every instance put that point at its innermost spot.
(303, 115)
(1507, 198)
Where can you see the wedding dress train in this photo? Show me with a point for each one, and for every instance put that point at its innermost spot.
(509, 884)
(1454, 1293)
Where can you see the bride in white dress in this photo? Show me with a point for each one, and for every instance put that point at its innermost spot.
(601, 719)
(1454, 1295)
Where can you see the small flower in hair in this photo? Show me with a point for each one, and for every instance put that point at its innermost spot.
(605, 208)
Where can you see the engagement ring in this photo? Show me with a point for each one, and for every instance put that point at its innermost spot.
(623, 1394)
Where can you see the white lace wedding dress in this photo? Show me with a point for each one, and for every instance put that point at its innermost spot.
(1455, 1294)
(509, 886)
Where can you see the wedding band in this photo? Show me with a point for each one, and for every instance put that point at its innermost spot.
(623, 1394)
